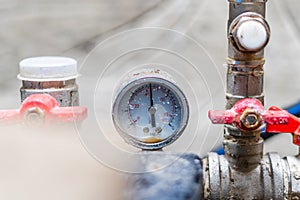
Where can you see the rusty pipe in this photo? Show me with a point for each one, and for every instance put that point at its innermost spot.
(248, 33)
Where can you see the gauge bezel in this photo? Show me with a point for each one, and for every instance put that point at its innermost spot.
(133, 85)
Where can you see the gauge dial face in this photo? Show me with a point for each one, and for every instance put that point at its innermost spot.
(150, 113)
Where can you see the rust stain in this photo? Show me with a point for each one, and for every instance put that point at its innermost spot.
(153, 140)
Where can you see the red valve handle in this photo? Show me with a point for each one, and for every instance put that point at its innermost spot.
(249, 115)
(43, 108)
(292, 126)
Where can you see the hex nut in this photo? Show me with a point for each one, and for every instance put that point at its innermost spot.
(34, 116)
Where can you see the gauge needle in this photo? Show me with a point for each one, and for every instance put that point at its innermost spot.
(152, 110)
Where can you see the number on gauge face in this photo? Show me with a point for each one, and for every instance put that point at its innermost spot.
(155, 109)
(150, 113)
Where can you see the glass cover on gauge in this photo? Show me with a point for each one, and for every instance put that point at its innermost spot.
(150, 112)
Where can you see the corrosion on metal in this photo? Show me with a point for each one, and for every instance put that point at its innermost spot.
(40, 109)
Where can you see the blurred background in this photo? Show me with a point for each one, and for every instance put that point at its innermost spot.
(57, 166)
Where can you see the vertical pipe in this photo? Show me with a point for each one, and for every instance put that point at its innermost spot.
(248, 34)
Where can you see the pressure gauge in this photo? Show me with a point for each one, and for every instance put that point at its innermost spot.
(150, 111)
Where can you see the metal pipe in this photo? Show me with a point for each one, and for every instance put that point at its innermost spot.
(244, 173)
(245, 61)
(274, 178)
(55, 76)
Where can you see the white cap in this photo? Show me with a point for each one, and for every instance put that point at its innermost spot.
(48, 68)
(252, 35)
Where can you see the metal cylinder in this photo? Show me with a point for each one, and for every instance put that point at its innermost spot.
(248, 34)
(245, 67)
(55, 76)
(274, 178)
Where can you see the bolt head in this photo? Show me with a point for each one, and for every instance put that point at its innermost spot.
(34, 116)
(250, 119)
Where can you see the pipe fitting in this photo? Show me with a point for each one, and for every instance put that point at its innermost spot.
(249, 32)
(251, 119)
(273, 178)
(52, 75)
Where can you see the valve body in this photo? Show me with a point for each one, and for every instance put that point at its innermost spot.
(55, 76)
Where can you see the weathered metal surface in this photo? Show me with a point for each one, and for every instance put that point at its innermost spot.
(245, 69)
(65, 92)
(274, 178)
(293, 179)
(242, 143)
(243, 173)
(40, 109)
(246, 114)
(167, 176)
(249, 115)
(243, 154)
